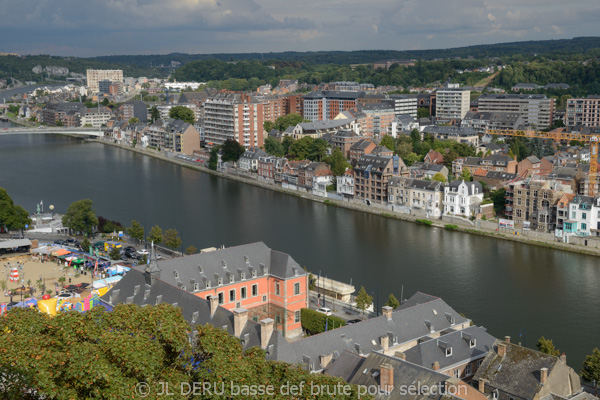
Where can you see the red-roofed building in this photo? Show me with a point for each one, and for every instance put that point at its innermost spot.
(434, 157)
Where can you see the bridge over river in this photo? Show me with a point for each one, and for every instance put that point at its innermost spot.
(86, 132)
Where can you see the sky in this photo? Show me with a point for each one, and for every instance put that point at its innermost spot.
(88, 28)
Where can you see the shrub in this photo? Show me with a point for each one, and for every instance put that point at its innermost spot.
(314, 322)
(425, 222)
(451, 227)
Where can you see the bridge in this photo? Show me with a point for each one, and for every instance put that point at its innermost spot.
(86, 132)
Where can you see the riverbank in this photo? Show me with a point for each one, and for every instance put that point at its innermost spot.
(458, 224)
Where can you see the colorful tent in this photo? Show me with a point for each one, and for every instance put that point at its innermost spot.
(61, 252)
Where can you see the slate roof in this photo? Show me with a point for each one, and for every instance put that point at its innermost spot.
(428, 167)
(407, 323)
(361, 144)
(320, 125)
(345, 366)
(228, 264)
(253, 153)
(420, 184)
(500, 175)
(564, 173)
(134, 288)
(373, 162)
(430, 351)
(405, 119)
(496, 159)
(404, 374)
(450, 130)
(334, 94)
(517, 373)
(470, 186)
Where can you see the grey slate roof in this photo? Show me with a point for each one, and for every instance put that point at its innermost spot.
(345, 366)
(565, 173)
(517, 373)
(450, 130)
(430, 351)
(134, 288)
(470, 186)
(427, 166)
(500, 175)
(320, 125)
(375, 163)
(420, 184)
(407, 324)
(229, 263)
(361, 144)
(404, 374)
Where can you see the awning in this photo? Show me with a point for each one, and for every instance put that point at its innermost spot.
(11, 244)
(61, 252)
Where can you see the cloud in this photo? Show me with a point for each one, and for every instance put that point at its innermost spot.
(96, 27)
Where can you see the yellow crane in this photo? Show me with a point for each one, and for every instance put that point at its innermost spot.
(559, 136)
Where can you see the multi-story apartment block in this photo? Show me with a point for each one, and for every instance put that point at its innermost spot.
(377, 120)
(458, 134)
(404, 105)
(173, 135)
(113, 88)
(165, 110)
(326, 105)
(294, 104)
(536, 109)
(343, 141)
(66, 113)
(360, 148)
(233, 116)
(583, 111)
(372, 174)
(95, 118)
(482, 121)
(531, 203)
(453, 102)
(273, 107)
(462, 198)
(94, 76)
(345, 184)
(133, 109)
(417, 195)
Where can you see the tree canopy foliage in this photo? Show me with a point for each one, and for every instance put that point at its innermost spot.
(231, 150)
(171, 238)
(81, 217)
(182, 113)
(12, 216)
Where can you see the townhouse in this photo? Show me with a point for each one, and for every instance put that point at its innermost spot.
(173, 135)
(462, 198)
(416, 196)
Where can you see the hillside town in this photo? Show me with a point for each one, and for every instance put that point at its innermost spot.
(507, 161)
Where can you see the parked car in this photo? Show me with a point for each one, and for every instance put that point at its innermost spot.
(130, 249)
(324, 310)
(142, 252)
(131, 254)
(353, 321)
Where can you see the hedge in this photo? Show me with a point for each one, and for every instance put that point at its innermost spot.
(313, 322)
(425, 222)
(451, 227)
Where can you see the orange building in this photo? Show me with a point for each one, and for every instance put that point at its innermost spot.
(267, 283)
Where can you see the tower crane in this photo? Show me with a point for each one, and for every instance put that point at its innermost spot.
(558, 136)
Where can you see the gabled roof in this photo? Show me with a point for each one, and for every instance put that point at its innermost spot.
(470, 186)
(361, 144)
(472, 342)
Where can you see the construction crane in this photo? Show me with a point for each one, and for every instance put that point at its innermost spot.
(559, 136)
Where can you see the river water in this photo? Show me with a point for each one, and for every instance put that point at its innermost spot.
(504, 286)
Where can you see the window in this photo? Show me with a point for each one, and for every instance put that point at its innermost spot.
(243, 293)
(583, 215)
(254, 290)
(479, 363)
(277, 319)
(277, 288)
(221, 300)
(232, 295)
(468, 370)
(457, 373)
(297, 316)
(448, 351)
(196, 287)
(297, 288)
(472, 343)
(583, 227)
(573, 215)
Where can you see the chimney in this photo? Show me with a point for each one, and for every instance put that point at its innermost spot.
(326, 359)
(543, 375)
(240, 317)
(266, 330)
(436, 366)
(387, 311)
(400, 355)
(386, 377)
(214, 304)
(482, 385)
(501, 349)
(385, 342)
(507, 339)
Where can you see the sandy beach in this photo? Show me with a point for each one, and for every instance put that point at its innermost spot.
(35, 270)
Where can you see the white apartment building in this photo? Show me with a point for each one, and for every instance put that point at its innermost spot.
(453, 102)
(583, 111)
(536, 109)
(405, 105)
(94, 76)
(95, 118)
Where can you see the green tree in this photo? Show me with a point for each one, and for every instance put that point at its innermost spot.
(191, 250)
(499, 198)
(105, 102)
(337, 162)
(283, 122)
(156, 235)
(392, 301)
(182, 113)
(363, 299)
(287, 143)
(213, 158)
(422, 112)
(231, 150)
(590, 370)
(85, 245)
(410, 159)
(274, 147)
(59, 123)
(115, 253)
(97, 354)
(268, 126)
(466, 175)
(171, 238)
(133, 120)
(154, 114)
(80, 217)
(439, 177)
(546, 346)
(388, 141)
(136, 230)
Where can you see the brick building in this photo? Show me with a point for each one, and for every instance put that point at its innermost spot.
(372, 174)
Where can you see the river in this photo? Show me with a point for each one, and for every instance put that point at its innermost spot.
(504, 286)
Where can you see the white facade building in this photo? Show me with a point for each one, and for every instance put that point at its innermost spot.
(453, 103)
(345, 184)
(462, 198)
